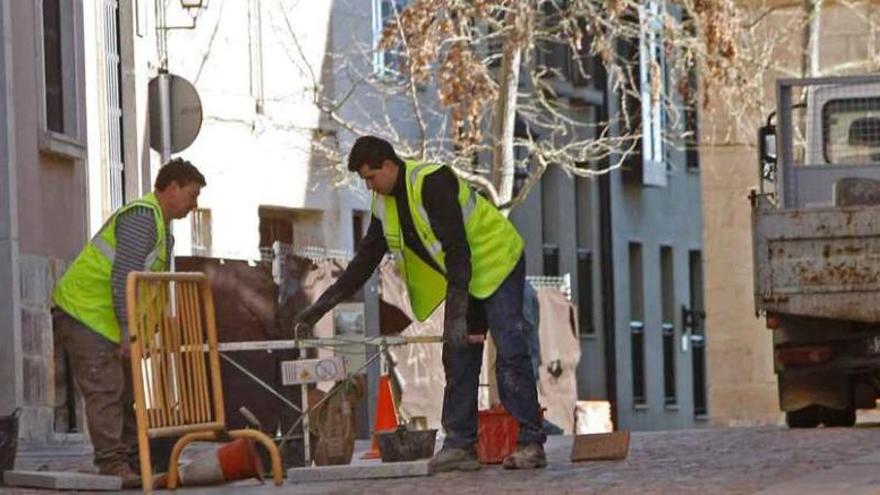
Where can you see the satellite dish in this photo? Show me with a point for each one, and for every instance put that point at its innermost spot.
(186, 114)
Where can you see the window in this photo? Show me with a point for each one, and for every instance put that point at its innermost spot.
(585, 290)
(201, 232)
(667, 302)
(520, 165)
(387, 63)
(54, 69)
(554, 57)
(275, 229)
(113, 83)
(551, 260)
(851, 131)
(583, 230)
(691, 105)
(636, 323)
(577, 67)
(550, 223)
(694, 321)
(692, 121)
(59, 36)
(585, 68)
(644, 102)
(637, 336)
(653, 117)
(494, 42)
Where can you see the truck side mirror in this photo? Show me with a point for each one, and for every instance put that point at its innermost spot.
(767, 152)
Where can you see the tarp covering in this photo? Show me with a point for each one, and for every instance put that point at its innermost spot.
(560, 354)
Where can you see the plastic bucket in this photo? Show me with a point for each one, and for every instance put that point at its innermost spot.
(8, 440)
(497, 433)
(406, 445)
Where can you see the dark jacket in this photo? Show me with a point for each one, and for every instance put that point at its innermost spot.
(444, 214)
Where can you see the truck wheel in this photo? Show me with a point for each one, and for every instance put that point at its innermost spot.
(843, 418)
(807, 417)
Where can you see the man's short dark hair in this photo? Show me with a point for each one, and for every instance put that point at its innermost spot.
(180, 171)
(371, 151)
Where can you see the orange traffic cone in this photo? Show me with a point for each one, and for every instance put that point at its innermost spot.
(236, 460)
(386, 416)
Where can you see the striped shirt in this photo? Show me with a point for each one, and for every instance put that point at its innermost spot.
(135, 239)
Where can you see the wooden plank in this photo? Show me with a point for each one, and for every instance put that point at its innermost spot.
(600, 446)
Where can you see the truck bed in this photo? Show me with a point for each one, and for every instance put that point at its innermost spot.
(819, 262)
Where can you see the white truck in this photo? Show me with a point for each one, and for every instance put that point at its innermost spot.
(816, 241)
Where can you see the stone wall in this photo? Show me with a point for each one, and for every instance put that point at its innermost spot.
(45, 390)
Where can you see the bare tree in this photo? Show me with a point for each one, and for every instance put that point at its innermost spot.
(525, 70)
(497, 88)
(784, 39)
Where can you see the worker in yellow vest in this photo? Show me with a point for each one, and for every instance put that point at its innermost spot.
(450, 244)
(90, 316)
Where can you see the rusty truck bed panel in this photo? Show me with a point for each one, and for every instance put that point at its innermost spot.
(822, 262)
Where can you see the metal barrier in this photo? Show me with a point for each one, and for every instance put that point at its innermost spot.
(176, 368)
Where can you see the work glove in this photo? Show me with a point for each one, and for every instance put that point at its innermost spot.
(455, 330)
(305, 320)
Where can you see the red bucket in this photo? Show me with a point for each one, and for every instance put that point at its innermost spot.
(497, 433)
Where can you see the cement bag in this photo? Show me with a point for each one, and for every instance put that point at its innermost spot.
(336, 424)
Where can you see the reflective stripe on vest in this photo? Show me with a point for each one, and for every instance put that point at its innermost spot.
(466, 211)
(110, 252)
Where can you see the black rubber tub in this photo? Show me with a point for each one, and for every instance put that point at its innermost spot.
(403, 444)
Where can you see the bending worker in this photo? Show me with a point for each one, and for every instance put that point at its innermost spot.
(450, 243)
(90, 313)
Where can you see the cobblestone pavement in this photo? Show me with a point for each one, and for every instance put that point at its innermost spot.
(707, 461)
(726, 461)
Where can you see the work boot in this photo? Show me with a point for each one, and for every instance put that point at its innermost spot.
(455, 459)
(528, 456)
(130, 478)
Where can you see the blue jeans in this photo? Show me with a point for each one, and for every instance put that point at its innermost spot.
(516, 381)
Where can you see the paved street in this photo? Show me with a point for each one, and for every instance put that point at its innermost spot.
(722, 461)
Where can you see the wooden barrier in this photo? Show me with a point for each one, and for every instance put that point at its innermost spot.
(175, 367)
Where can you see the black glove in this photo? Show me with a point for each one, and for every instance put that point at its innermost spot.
(455, 329)
(306, 319)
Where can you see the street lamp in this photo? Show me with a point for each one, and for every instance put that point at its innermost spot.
(191, 4)
(192, 8)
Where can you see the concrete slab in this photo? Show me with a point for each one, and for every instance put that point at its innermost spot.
(57, 480)
(359, 471)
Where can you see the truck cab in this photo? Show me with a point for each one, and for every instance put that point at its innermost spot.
(816, 246)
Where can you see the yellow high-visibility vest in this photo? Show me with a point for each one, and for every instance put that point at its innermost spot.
(85, 291)
(494, 243)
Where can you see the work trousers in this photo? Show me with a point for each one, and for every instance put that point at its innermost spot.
(104, 379)
(516, 380)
